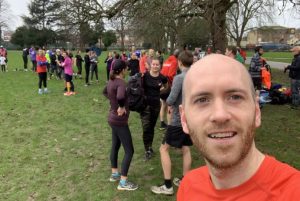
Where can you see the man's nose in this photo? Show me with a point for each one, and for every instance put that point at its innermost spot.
(220, 112)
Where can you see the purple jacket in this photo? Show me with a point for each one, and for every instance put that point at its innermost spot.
(32, 54)
(115, 91)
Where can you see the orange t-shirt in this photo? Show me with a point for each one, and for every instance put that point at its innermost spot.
(274, 181)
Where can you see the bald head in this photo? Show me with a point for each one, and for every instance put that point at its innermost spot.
(216, 70)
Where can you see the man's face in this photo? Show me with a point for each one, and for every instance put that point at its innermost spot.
(219, 110)
(261, 51)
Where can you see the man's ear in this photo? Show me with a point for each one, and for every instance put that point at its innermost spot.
(183, 120)
(257, 113)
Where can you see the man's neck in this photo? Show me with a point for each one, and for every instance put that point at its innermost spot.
(237, 175)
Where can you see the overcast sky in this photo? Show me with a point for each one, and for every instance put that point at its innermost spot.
(19, 7)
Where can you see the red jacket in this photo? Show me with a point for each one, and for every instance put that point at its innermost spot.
(41, 64)
(143, 64)
(169, 68)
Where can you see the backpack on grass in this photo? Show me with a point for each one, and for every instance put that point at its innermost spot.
(135, 92)
(279, 95)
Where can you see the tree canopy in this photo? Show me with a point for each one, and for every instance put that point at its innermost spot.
(159, 23)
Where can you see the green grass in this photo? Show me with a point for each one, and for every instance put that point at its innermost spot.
(57, 148)
(285, 57)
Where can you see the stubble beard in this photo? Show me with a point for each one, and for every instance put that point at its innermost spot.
(247, 142)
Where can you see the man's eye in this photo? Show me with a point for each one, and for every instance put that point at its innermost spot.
(202, 100)
(236, 97)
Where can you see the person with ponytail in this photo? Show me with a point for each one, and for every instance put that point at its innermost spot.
(115, 91)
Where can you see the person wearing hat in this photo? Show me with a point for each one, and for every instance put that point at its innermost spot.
(115, 91)
(294, 74)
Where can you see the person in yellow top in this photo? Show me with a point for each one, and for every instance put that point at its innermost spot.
(47, 55)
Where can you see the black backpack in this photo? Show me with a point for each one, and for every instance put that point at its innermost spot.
(135, 92)
(277, 96)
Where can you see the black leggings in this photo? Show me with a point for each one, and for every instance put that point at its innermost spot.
(121, 135)
(94, 69)
(79, 66)
(69, 78)
(149, 117)
(107, 73)
(87, 73)
(34, 63)
(42, 79)
(25, 60)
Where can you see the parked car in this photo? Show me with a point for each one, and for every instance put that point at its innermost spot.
(278, 47)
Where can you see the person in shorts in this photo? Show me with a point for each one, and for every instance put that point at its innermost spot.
(175, 136)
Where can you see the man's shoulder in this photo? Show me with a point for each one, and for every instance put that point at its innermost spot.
(283, 174)
(197, 175)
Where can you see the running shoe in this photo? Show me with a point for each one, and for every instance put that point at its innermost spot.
(162, 190)
(128, 186)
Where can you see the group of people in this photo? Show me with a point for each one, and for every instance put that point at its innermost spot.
(58, 63)
(156, 86)
(212, 104)
(208, 100)
(258, 66)
(43, 66)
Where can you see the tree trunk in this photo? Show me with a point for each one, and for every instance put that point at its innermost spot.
(216, 17)
(172, 42)
(122, 35)
(238, 41)
(218, 31)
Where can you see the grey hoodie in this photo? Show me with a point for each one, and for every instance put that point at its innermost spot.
(175, 97)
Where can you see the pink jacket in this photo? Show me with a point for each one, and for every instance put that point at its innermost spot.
(67, 65)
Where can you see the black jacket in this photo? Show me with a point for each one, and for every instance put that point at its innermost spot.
(294, 68)
(87, 60)
(133, 66)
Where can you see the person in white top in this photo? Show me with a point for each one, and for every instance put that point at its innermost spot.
(3, 63)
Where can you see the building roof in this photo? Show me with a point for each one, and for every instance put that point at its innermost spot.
(270, 28)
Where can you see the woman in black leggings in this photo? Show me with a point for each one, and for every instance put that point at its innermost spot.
(42, 71)
(115, 91)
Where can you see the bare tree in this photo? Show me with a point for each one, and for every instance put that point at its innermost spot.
(5, 16)
(176, 12)
(241, 14)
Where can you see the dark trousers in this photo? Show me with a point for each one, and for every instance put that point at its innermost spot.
(42, 79)
(94, 70)
(79, 69)
(87, 73)
(149, 117)
(69, 78)
(121, 135)
(25, 60)
(53, 69)
(3, 68)
(34, 66)
(107, 73)
(295, 88)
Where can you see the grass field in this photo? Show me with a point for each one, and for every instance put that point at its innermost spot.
(285, 57)
(57, 148)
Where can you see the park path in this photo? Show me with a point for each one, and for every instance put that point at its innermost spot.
(273, 64)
